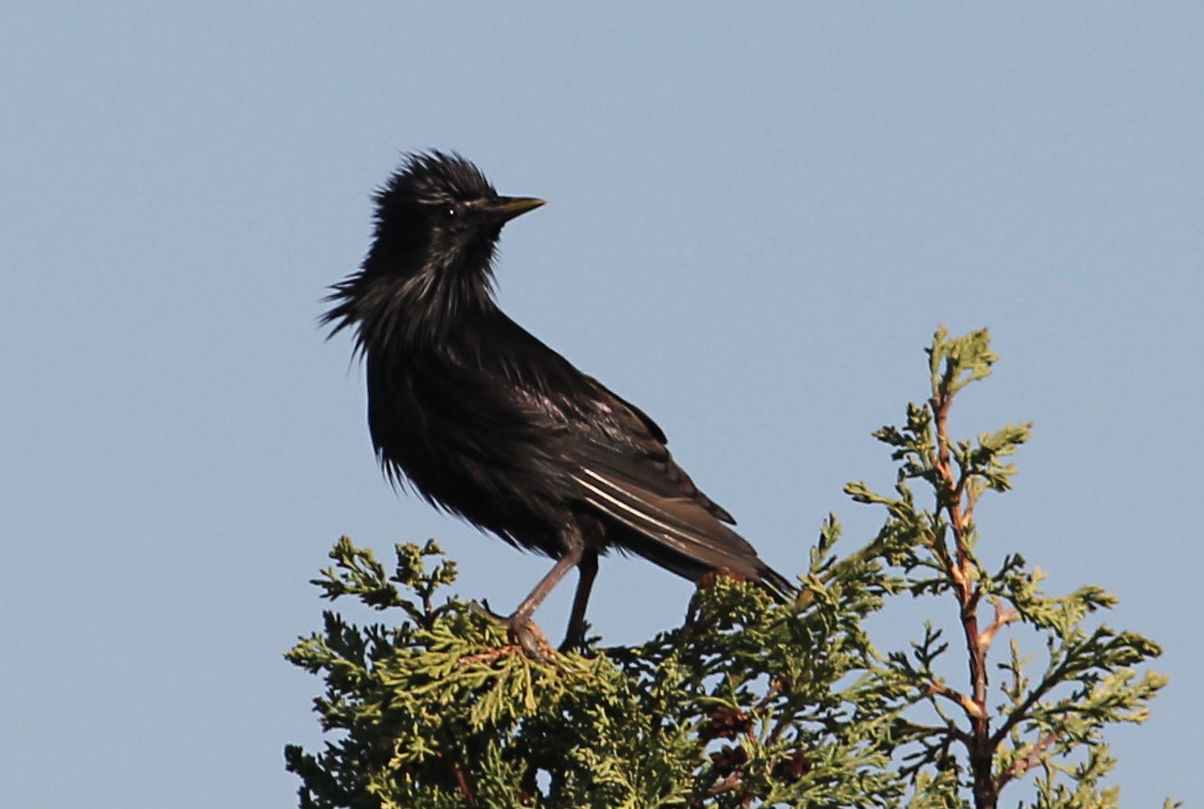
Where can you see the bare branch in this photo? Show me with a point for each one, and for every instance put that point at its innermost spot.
(1004, 615)
(964, 701)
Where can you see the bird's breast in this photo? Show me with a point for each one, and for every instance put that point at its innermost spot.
(463, 440)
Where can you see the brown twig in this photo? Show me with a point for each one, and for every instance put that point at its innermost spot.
(1032, 759)
(963, 701)
(731, 782)
(1018, 715)
(950, 492)
(949, 730)
(462, 784)
(492, 654)
(1004, 615)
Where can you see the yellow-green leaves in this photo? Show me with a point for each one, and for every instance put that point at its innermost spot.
(956, 362)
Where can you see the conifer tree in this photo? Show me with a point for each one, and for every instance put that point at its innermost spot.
(749, 702)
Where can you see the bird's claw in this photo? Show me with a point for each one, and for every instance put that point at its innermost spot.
(575, 640)
(523, 632)
(530, 638)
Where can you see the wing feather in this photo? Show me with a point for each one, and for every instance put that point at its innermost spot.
(618, 459)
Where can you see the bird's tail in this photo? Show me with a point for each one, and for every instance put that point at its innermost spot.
(778, 585)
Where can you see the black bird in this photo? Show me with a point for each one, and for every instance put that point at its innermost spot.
(485, 421)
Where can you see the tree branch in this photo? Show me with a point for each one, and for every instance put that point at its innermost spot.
(949, 498)
(1032, 759)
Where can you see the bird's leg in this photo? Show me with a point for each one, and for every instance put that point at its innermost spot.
(521, 626)
(587, 569)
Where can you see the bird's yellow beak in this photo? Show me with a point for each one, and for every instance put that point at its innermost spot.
(503, 209)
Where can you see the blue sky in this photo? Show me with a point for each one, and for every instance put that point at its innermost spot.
(755, 221)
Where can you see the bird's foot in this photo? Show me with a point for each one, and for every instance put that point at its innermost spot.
(575, 639)
(529, 637)
(523, 632)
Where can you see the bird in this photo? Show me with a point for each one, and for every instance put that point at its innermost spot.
(484, 421)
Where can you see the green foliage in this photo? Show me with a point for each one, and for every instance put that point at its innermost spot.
(749, 702)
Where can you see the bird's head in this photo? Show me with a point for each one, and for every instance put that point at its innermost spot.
(437, 224)
(439, 214)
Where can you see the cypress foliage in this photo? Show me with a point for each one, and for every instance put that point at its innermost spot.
(748, 703)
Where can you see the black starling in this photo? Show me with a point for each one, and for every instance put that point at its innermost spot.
(485, 421)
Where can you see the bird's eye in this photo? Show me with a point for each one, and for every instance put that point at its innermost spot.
(451, 211)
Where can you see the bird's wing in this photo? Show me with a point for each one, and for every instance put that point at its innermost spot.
(625, 470)
(618, 459)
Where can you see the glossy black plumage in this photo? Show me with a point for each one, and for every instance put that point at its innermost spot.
(485, 421)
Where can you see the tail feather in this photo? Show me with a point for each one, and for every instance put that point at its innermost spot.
(679, 534)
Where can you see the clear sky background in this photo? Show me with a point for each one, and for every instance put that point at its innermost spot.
(756, 218)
